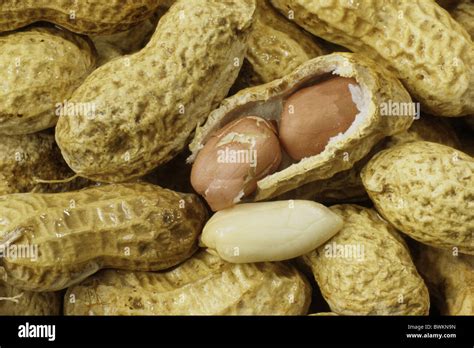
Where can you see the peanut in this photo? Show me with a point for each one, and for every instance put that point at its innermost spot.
(129, 226)
(26, 158)
(450, 278)
(313, 115)
(149, 103)
(277, 46)
(234, 159)
(444, 86)
(366, 268)
(20, 302)
(84, 17)
(292, 228)
(39, 70)
(425, 190)
(203, 285)
(375, 88)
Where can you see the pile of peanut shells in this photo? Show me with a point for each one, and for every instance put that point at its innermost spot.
(236, 157)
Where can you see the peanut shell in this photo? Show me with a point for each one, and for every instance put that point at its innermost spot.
(203, 285)
(149, 103)
(449, 277)
(129, 226)
(425, 190)
(39, 69)
(380, 280)
(84, 17)
(277, 46)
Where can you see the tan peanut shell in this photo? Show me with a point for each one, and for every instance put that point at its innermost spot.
(425, 190)
(39, 69)
(25, 159)
(463, 13)
(432, 55)
(14, 301)
(380, 279)
(203, 285)
(277, 46)
(377, 86)
(449, 277)
(129, 226)
(149, 103)
(347, 186)
(84, 17)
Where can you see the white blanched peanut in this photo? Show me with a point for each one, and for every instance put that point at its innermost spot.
(269, 231)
